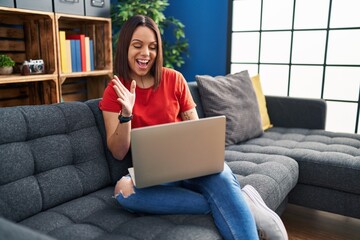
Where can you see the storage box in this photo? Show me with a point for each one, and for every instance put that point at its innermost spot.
(69, 6)
(41, 5)
(7, 3)
(97, 8)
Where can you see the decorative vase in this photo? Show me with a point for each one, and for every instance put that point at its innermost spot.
(6, 70)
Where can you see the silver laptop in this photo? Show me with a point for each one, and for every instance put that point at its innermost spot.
(177, 151)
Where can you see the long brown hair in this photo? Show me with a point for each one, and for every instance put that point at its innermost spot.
(122, 68)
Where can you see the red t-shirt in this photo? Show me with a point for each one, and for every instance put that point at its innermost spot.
(152, 107)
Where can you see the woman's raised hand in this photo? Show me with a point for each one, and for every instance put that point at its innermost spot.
(125, 97)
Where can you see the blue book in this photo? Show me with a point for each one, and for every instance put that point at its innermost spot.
(91, 45)
(73, 55)
(78, 55)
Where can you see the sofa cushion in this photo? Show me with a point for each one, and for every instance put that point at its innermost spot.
(326, 159)
(232, 95)
(12, 231)
(265, 119)
(273, 176)
(49, 154)
(99, 216)
(329, 166)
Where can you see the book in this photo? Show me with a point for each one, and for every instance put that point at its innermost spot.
(78, 55)
(87, 53)
(92, 64)
(63, 52)
(68, 56)
(73, 56)
(80, 37)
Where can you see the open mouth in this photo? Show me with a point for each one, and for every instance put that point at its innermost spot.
(142, 63)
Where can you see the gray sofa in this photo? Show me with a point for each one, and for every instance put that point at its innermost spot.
(57, 176)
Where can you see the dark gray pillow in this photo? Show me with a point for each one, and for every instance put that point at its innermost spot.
(232, 95)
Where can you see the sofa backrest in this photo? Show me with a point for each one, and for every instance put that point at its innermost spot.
(194, 89)
(49, 154)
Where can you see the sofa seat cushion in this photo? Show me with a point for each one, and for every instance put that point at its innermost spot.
(326, 159)
(273, 176)
(99, 216)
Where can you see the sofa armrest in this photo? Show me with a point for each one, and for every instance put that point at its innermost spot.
(13, 231)
(294, 112)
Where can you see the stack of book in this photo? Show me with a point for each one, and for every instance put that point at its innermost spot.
(76, 53)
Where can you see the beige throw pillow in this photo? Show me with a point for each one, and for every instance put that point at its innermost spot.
(265, 119)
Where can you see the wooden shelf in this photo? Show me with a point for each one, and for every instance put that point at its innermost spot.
(17, 78)
(16, 89)
(28, 34)
(21, 13)
(96, 73)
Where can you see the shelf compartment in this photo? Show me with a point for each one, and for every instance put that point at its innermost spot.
(83, 88)
(97, 29)
(26, 35)
(29, 92)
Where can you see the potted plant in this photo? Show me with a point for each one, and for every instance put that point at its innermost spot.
(6, 65)
(173, 50)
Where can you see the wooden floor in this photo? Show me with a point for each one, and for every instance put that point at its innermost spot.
(304, 223)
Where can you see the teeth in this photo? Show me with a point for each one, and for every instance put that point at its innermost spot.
(143, 61)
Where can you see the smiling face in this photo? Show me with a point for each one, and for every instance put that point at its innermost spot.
(142, 52)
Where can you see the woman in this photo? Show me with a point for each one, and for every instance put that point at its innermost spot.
(144, 93)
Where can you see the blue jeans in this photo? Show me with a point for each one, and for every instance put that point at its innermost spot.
(219, 194)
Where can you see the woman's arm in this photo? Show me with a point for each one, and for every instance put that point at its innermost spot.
(189, 115)
(118, 134)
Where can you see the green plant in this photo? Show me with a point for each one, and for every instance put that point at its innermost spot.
(6, 61)
(174, 49)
